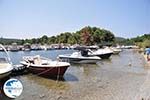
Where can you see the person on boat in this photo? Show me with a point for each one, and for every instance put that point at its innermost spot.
(84, 52)
(147, 51)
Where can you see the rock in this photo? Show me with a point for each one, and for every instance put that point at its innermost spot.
(58, 97)
(130, 64)
(102, 87)
(42, 96)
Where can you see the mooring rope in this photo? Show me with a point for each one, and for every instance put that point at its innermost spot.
(6, 53)
(58, 74)
(44, 71)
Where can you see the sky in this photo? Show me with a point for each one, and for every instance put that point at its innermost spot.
(35, 18)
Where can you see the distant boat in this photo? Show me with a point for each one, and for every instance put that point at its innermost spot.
(14, 47)
(79, 57)
(36, 47)
(115, 50)
(5, 65)
(27, 47)
(45, 67)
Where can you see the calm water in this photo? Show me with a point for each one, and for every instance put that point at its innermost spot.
(122, 77)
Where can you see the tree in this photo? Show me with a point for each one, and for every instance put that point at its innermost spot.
(44, 39)
(72, 40)
(108, 36)
(86, 36)
(146, 44)
(52, 40)
(98, 36)
(64, 37)
(77, 37)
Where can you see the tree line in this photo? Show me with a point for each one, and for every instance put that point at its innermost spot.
(86, 36)
(142, 41)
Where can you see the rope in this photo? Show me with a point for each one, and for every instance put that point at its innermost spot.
(44, 71)
(58, 74)
(6, 53)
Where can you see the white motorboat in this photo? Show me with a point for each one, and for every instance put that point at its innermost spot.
(79, 57)
(5, 64)
(102, 53)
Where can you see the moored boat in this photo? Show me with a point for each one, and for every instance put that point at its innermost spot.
(79, 57)
(14, 47)
(44, 66)
(102, 53)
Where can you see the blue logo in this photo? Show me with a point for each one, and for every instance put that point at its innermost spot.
(13, 88)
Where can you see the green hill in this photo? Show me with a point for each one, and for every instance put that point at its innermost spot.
(7, 41)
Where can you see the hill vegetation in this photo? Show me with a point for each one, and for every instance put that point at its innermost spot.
(86, 36)
(142, 41)
(6, 41)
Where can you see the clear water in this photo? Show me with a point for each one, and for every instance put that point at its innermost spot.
(122, 77)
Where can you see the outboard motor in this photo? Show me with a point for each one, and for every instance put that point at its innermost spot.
(84, 53)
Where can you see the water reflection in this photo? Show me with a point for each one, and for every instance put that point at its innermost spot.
(86, 69)
(70, 78)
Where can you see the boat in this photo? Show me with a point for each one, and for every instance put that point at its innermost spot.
(115, 50)
(14, 47)
(102, 53)
(45, 67)
(36, 47)
(5, 64)
(79, 57)
(26, 47)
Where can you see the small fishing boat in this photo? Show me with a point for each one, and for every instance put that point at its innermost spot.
(5, 64)
(44, 66)
(79, 57)
(102, 53)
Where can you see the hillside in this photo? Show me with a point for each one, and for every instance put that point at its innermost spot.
(9, 41)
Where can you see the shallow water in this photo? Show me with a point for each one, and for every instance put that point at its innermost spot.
(122, 77)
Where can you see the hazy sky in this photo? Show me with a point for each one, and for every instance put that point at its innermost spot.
(34, 18)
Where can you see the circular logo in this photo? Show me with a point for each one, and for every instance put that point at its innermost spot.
(13, 88)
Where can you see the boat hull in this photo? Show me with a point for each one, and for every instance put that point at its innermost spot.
(79, 60)
(48, 71)
(116, 52)
(3, 75)
(103, 56)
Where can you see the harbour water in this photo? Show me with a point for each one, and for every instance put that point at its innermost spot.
(122, 77)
